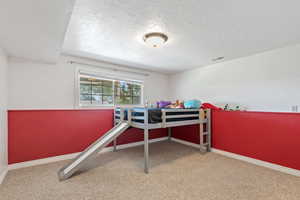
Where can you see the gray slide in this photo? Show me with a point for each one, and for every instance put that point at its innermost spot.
(94, 148)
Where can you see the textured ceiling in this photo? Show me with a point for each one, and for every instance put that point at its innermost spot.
(34, 29)
(198, 30)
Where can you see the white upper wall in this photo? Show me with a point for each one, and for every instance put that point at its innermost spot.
(34, 85)
(267, 81)
(3, 112)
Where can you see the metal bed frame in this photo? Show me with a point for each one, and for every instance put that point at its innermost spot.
(183, 119)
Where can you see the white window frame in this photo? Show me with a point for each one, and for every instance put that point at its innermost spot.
(100, 75)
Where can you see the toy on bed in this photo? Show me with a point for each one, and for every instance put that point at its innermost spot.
(177, 104)
(192, 104)
(163, 104)
(169, 104)
(234, 107)
(210, 106)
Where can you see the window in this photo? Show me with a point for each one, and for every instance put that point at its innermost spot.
(127, 93)
(96, 91)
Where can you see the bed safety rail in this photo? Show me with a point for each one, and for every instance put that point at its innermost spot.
(141, 118)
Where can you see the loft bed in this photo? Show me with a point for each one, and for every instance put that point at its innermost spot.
(146, 119)
(154, 118)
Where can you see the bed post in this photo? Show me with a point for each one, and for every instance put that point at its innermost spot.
(201, 129)
(208, 129)
(115, 140)
(146, 142)
(115, 144)
(169, 133)
(121, 119)
(129, 115)
(164, 118)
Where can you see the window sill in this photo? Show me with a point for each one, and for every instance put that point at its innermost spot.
(92, 107)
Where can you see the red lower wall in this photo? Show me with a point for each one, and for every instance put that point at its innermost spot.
(271, 137)
(44, 133)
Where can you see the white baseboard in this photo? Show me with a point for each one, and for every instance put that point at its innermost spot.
(73, 155)
(261, 163)
(41, 161)
(276, 167)
(3, 174)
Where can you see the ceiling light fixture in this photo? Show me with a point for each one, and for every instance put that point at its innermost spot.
(218, 58)
(155, 39)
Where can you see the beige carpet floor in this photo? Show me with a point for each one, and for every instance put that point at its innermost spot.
(177, 172)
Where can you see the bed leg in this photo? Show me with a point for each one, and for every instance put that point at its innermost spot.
(169, 133)
(115, 145)
(208, 129)
(201, 143)
(146, 150)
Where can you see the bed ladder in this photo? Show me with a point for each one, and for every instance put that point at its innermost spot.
(205, 134)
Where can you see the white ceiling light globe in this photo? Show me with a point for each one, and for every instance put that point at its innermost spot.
(155, 39)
